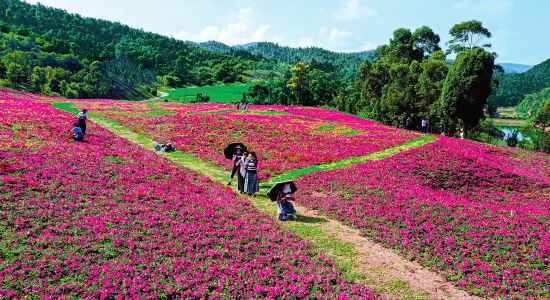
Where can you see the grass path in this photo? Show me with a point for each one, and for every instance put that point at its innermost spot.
(363, 260)
(290, 175)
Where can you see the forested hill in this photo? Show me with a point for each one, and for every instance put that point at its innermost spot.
(345, 64)
(37, 36)
(514, 86)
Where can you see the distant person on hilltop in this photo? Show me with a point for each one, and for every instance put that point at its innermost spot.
(408, 123)
(82, 120)
(78, 134)
(424, 126)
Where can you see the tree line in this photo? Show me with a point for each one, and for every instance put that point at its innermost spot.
(84, 52)
(407, 79)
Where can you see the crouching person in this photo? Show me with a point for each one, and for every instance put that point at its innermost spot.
(286, 209)
(78, 134)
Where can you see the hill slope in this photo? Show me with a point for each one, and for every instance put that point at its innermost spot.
(440, 195)
(514, 86)
(345, 64)
(51, 30)
(532, 103)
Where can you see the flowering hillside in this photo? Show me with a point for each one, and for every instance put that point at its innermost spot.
(477, 213)
(108, 219)
(284, 139)
(93, 219)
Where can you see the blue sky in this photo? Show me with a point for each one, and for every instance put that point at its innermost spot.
(520, 28)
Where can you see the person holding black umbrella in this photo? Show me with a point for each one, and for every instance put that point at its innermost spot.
(282, 193)
(235, 159)
(235, 152)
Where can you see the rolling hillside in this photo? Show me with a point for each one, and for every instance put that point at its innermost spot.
(345, 64)
(427, 197)
(514, 86)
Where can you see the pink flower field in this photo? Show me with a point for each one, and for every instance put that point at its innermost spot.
(284, 140)
(478, 214)
(108, 219)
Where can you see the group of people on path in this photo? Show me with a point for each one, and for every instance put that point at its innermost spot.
(79, 127)
(245, 166)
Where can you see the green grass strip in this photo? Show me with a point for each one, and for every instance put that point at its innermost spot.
(293, 174)
(307, 227)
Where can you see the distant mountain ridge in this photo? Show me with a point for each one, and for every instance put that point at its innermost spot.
(289, 55)
(345, 64)
(515, 68)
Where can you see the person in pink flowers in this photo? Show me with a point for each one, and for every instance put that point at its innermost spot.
(241, 163)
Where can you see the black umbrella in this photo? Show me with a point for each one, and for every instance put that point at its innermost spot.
(274, 191)
(230, 149)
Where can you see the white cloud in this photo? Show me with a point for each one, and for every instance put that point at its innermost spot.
(304, 42)
(260, 33)
(208, 33)
(334, 39)
(241, 30)
(353, 9)
(181, 35)
(336, 35)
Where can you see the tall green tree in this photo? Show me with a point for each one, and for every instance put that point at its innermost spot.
(404, 79)
(299, 82)
(466, 89)
(468, 35)
(425, 42)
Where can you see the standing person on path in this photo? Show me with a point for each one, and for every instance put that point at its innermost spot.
(236, 158)
(82, 120)
(251, 184)
(242, 171)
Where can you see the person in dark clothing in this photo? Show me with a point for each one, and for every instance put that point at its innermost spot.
(82, 120)
(251, 183)
(166, 147)
(408, 123)
(235, 160)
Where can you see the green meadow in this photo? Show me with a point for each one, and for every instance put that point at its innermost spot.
(228, 93)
